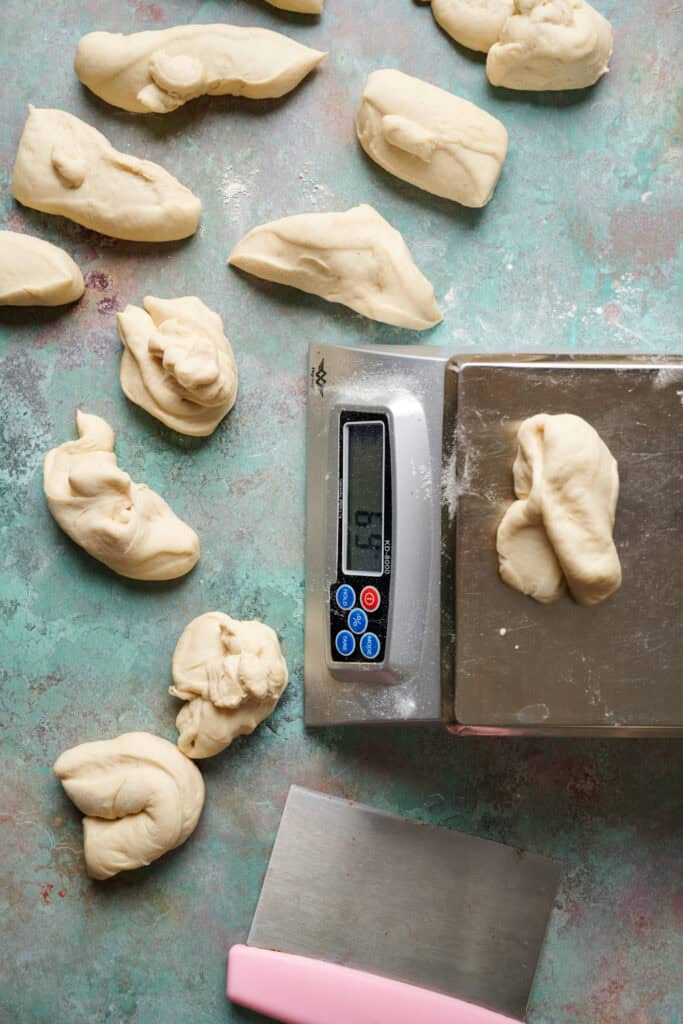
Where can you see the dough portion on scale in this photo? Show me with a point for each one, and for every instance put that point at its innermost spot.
(560, 528)
(159, 71)
(231, 674)
(431, 138)
(177, 363)
(354, 257)
(65, 166)
(476, 24)
(141, 798)
(123, 524)
(34, 272)
(551, 44)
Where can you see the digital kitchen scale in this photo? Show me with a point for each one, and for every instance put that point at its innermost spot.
(409, 466)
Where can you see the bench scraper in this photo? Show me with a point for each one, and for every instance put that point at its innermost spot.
(368, 918)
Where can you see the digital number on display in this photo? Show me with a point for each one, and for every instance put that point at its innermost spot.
(363, 526)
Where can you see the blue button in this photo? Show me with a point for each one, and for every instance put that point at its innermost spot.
(345, 643)
(369, 645)
(357, 620)
(346, 597)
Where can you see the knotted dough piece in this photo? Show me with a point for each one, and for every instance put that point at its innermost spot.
(551, 44)
(141, 798)
(355, 258)
(34, 272)
(476, 24)
(560, 529)
(123, 524)
(431, 138)
(65, 166)
(155, 72)
(232, 675)
(177, 363)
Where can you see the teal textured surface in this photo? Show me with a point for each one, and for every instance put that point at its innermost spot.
(578, 250)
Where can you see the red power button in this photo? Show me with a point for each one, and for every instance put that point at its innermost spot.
(369, 599)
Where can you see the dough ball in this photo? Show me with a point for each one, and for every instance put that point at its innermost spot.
(298, 6)
(431, 138)
(35, 273)
(476, 24)
(354, 257)
(65, 166)
(551, 44)
(232, 675)
(177, 363)
(559, 531)
(121, 523)
(141, 798)
(156, 72)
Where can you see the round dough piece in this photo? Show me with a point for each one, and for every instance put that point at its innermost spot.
(551, 44)
(34, 272)
(141, 798)
(476, 24)
(232, 675)
(177, 364)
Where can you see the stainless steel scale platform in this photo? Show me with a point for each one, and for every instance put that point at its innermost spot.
(409, 467)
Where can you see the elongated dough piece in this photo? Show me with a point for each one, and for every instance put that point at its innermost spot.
(123, 524)
(65, 166)
(431, 138)
(177, 363)
(298, 6)
(155, 72)
(355, 258)
(551, 44)
(560, 529)
(141, 798)
(232, 674)
(476, 24)
(34, 272)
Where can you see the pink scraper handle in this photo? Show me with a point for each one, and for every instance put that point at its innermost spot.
(300, 990)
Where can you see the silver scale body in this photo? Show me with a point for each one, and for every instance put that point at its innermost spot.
(462, 648)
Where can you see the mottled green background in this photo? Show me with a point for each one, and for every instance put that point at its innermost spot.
(577, 251)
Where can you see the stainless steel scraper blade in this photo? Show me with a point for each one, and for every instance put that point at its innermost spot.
(426, 905)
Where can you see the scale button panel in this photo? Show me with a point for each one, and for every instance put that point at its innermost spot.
(345, 597)
(356, 634)
(370, 599)
(357, 621)
(369, 645)
(345, 642)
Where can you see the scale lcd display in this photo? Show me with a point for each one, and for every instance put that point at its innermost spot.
(363, 510)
